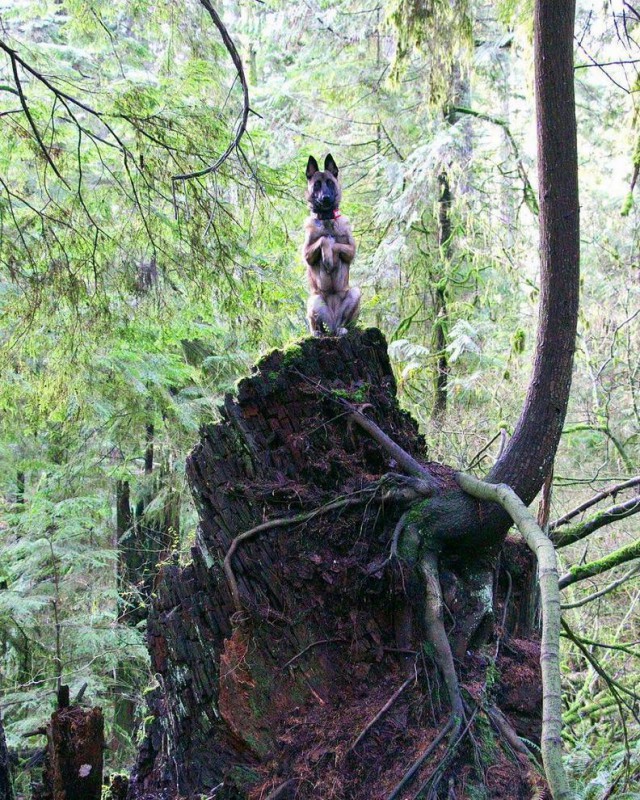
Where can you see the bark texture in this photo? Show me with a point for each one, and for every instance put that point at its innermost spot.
(530, 452)
(273, 698)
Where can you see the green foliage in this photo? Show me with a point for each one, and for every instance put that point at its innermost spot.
(443, 32)
(131, 302)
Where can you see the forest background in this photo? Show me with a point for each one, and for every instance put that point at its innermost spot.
(131, 302)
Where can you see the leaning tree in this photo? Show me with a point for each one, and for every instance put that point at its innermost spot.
(340, 631)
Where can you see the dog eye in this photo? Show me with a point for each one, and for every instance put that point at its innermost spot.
(316, 186)
(330, 183)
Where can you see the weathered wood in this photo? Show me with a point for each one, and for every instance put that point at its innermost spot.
(74, 758)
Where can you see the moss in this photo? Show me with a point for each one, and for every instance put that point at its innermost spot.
(476, 791)
(486, 739)
(492, 678)
(358, 395)
(417, 512)
(621, 556)
(242, 777)
(429, 650)
(291, 354)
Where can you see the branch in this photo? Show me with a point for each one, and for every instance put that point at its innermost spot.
(380, 713)
(614, 585)
(583, 529)
(541, 545)
(242, 125)
(427, 483)
(582, 571)
(604, 429)
(613, 685)
(404, 460)
(595, 499)
(529, 193)
(31, 121)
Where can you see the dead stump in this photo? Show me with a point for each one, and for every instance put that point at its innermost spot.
(270, 700)
(74, 758)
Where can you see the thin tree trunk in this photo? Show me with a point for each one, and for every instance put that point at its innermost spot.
(124, 708)
(529, 455)
(20, 487)
(439, 337)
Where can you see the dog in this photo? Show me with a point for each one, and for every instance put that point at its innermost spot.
(329, 248)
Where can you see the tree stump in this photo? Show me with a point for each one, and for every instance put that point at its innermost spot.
(74, 757)
(270, 700)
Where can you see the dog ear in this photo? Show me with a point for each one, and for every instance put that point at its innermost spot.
(312, 167)
(331, 166)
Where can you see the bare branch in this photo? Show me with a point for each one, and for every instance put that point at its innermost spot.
(601, 64)
(595, 499)
(31, 121)
(596, 595)
(529, 193)
(583, 529)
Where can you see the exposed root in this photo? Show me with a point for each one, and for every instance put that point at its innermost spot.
(309, 647)
(435, 632)
(270, 525)
(506, 730)
(541, 545)
(452, 726)
(380, 713)
(397, 533)
(409, 489)
(280, 791)
(436, 776)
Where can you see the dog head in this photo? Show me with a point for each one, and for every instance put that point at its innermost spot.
(323, 189)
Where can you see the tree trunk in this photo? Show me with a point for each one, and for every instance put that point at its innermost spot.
(6, 787)
(439, 335)
(528, 457)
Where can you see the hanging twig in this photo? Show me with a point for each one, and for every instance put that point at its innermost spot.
(30, 120)
(242, 124)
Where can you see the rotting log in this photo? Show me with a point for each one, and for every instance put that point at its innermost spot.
(268, 700)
